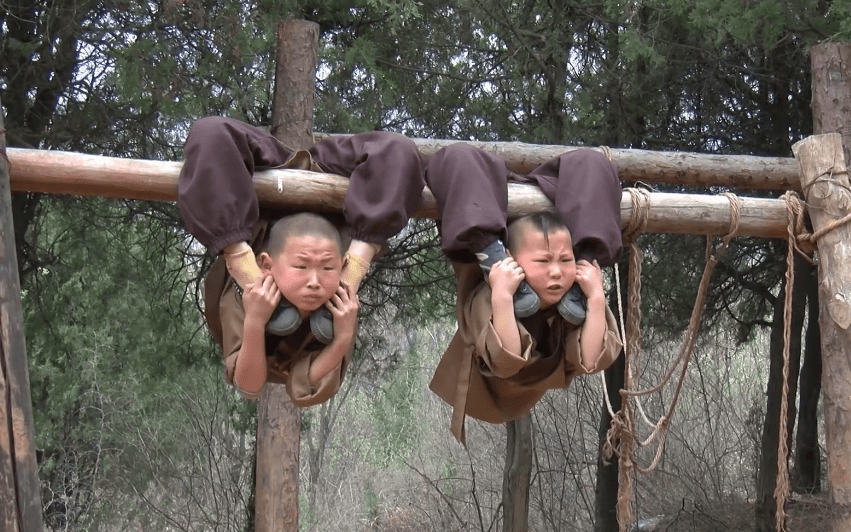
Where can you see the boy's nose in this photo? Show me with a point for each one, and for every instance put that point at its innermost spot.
(312, 279)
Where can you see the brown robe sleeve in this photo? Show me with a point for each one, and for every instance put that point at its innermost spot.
(305, 394)
(612, 346)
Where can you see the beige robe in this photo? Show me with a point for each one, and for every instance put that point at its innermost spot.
(477, 377)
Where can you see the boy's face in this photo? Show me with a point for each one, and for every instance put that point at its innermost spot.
(548, 263)
(307, 271)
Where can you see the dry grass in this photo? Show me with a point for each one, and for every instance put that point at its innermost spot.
(805, 514)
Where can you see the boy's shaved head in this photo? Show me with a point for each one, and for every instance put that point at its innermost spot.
(545, 223)
(301, 224)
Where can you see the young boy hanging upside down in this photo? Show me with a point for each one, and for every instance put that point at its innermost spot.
(524, 325)
(281, 300)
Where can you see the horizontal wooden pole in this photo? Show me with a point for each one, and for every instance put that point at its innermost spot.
(678, 168)
(54, 172)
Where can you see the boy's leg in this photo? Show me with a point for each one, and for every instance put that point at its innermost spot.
(385, 189)
(215, 190)
(216, 196)
(470, 186)
(584, 187)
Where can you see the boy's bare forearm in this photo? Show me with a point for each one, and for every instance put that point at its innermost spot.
(331, 356)
(504, 322)
(593, 332)
(250, 370)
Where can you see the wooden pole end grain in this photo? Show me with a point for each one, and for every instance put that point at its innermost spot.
(824, 180)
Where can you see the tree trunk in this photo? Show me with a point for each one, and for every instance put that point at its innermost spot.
(806, 471)
(20, 492)
(517, 475)
(279, 423)
(767, 478)
(606, 490)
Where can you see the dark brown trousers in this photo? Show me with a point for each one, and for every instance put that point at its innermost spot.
(216, 195)
(470, 186)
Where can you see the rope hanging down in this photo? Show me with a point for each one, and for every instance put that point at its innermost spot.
(622, 438)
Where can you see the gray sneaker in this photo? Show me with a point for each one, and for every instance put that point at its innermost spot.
(573, 305)
(526, 301)
(322, 325)
(284, 320)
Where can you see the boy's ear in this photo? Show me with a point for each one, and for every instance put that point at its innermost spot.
(264, 260)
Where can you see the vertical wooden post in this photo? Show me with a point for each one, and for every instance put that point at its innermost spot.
(279, 421)
(517, 475)
(824, 180)
(20, 494)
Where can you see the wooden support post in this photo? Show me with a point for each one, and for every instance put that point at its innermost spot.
(823, 162)
(20, 492)
(279, 423)
(829, 200)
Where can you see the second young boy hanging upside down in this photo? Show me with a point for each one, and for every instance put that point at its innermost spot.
(281, 300)
(521, 330)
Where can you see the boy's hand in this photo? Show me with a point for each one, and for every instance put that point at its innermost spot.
(505, 276)
(261, 298)
(343, 305)
(590, 278)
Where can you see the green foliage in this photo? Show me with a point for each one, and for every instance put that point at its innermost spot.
(372, 502)
(394, 413)
(109, 287)
(107, 333)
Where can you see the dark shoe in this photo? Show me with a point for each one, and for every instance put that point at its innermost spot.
(285, 319)
(573, 306)
(526, 301)
(322, 325)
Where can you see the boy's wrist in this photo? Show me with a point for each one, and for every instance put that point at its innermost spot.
(254, 324)
(501, 297)
(596, 297)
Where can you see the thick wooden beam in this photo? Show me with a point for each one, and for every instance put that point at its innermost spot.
(676, 168)
(20, 492)
(681, 168)
(90, 175)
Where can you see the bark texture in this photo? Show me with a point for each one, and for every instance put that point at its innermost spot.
(827, 188)
(279, 423)
(517, 475)
(20, 492)
(806, 470)
(109, 177)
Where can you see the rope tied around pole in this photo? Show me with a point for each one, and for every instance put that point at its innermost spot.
(622, 437)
